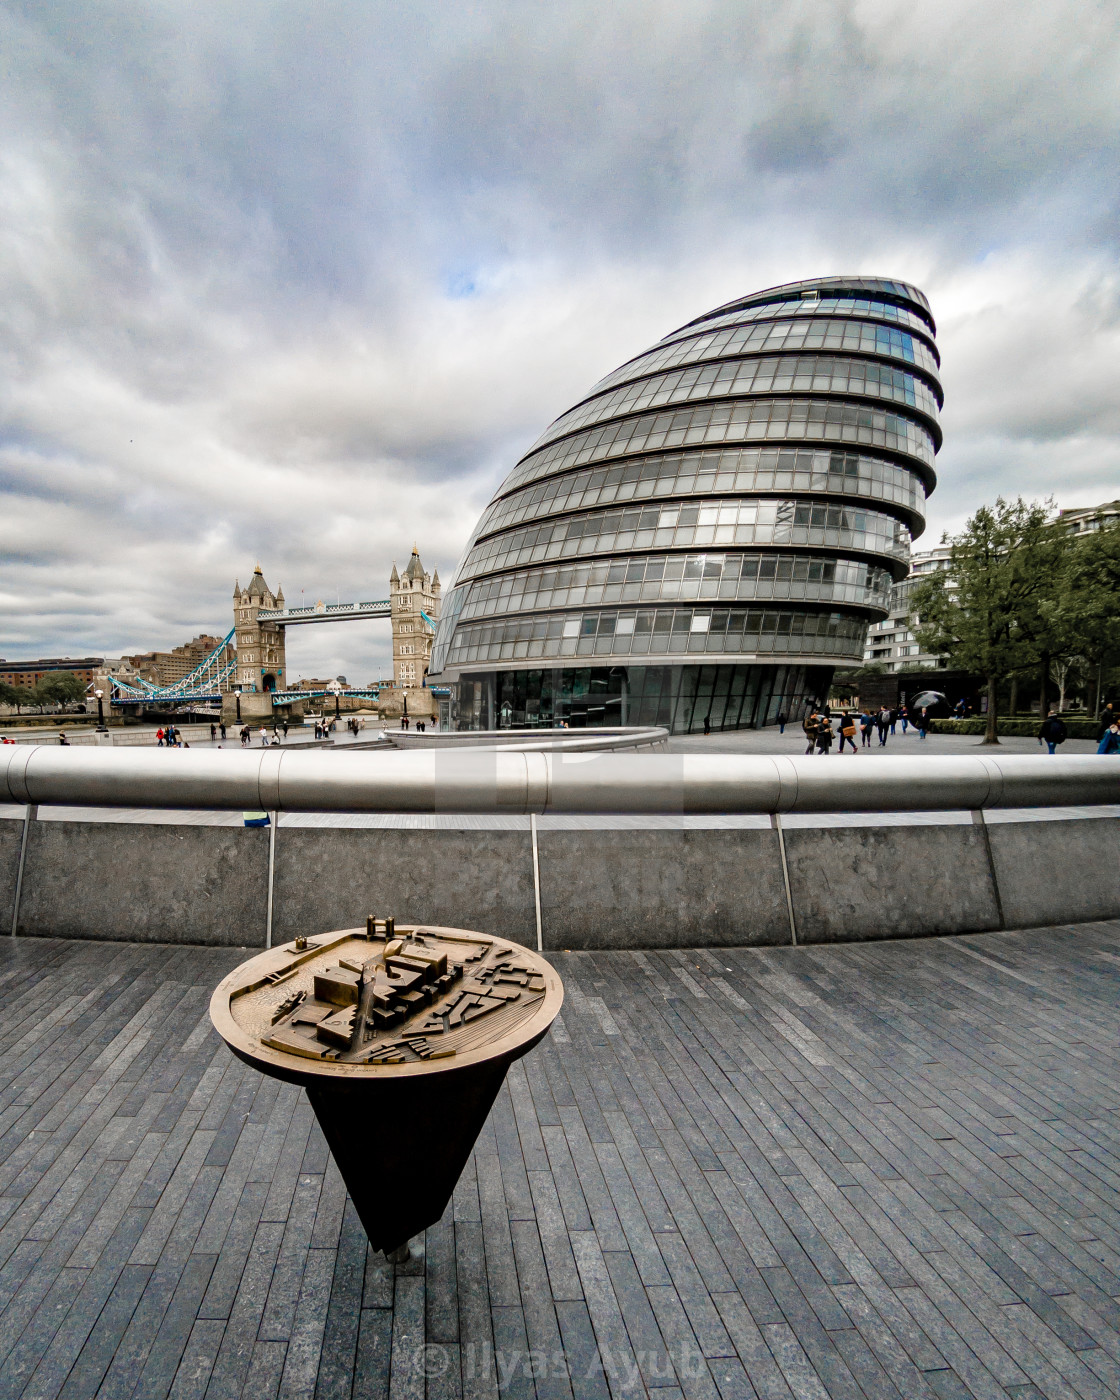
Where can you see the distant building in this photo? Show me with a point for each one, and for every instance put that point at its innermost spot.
(892, 643)
(260, 645)
(115, 668)
(170, 667)
(29, 673)
(1083, 520)
(412, 593)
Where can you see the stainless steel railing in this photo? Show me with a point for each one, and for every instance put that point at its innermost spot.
(465, 781)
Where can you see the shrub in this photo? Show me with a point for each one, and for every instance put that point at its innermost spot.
(1025, 728)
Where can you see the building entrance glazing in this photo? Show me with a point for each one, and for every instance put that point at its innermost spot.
(680, 698)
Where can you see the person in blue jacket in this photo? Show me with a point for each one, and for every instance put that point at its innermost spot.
(1110, 740)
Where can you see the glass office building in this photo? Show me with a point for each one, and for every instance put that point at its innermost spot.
(711, 530)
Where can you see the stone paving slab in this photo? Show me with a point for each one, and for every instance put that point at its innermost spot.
(868, 1170)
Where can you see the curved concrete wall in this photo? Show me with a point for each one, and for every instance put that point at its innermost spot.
(625, 886)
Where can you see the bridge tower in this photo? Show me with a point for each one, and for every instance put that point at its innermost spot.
(261, 663)
(411, 593)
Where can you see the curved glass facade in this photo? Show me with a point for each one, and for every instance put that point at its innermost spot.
(732, 504)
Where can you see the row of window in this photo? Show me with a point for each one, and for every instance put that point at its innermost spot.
(773, 374)
(653, 578)
(818, 334)
(805, 419)
(862, 308)
(878, 288)
(709, 472)
(680, 526)
(666, 630)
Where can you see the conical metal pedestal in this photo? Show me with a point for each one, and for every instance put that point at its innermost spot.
(402, 1043)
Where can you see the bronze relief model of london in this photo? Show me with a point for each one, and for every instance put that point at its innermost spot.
(385, 997)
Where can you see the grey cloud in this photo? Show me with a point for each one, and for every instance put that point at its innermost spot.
(300, 281)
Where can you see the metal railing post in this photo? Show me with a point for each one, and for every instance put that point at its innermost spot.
(978, 820)
(30, 815)
(776, 825)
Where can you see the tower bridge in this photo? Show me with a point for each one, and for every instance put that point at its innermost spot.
(248, 669)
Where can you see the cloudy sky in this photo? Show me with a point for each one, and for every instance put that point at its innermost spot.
(298, 281)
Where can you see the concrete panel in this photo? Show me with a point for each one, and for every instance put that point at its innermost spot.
(661, 889)
(332, 878)
(146, 884)
(11, 832)
(889, 882)
(1057, 872)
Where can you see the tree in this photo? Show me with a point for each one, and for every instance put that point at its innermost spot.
(1086, 612)
(60, 688)
(986, 610)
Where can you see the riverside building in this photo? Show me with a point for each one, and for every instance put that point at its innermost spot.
(707, 534)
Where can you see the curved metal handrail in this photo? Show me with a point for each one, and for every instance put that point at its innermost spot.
(465, 781)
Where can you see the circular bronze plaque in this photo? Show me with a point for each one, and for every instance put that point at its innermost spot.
(352, 1005)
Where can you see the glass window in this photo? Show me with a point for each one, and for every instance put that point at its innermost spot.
(745, 522)
(826, 374)
(805, 419)
(669, 631)
(836, 471)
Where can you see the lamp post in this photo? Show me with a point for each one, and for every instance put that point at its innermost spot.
(333, 689)
(102, 727)
(237, 697)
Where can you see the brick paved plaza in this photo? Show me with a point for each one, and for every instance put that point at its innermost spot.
(864, 1170)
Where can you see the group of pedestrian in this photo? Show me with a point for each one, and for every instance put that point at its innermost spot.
(355, 725)
(215, 728)
(1110, 730)
(170, 738)
(1052, 730)
(820, 735)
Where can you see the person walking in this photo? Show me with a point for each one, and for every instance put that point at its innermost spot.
(923, 723)
(1052, 731)
(782, 719)
(264, 736)
(882, 724)
(847, 733)
(866, 725)
(222, 730)
(809, 725)
(285, 728)
(903, 717)
(159, 737)
(1107, 717)
(825, 736)
(894, 719)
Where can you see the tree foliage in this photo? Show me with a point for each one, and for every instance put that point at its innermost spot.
(989, 612)
(1085, 612)
(60, 688)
